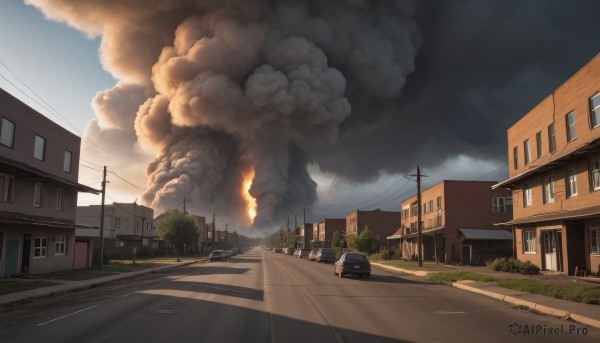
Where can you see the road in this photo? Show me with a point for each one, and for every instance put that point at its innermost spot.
(264, 297)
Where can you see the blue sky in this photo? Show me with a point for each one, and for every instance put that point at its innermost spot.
(58, 63)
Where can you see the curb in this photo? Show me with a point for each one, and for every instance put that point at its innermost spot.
(507, 298)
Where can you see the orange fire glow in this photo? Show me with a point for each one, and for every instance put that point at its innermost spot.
(250, 201)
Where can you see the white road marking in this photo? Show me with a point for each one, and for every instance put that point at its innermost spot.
(449, 312)
(68, 315)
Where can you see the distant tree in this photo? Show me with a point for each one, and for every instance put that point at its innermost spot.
(177, 228)
(363, 242)
(338, 242)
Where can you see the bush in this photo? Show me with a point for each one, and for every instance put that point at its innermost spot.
(146, 251)
(513, 265)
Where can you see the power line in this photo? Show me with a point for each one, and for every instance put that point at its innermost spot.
(117, 175)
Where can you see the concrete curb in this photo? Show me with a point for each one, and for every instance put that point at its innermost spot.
(509, 299)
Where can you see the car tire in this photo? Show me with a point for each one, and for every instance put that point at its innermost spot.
(368, 275)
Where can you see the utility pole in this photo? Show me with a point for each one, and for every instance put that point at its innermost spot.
(101, 254)
(185, 200)
(419, 209)
(304, 215)
(133, 232)
(212, 238)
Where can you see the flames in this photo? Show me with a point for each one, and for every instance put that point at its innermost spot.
(250, 201)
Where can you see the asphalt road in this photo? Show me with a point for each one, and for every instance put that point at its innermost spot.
(264, 297)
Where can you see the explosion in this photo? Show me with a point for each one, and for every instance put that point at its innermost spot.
(250, 201)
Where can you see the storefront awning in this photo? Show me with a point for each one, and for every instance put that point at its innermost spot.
(426, 232)
(579, 213)
(483, 234)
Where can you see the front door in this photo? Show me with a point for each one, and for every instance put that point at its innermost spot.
(26, 253)
(551, 250)
(12, 257)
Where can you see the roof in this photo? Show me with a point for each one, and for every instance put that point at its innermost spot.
(414, 234)
(579, 213)
(486, 234)
(24, 169)
(590, 147)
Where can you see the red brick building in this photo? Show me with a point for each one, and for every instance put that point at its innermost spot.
(554, 174)
(457, 219)
(324, 230)
(381, 223)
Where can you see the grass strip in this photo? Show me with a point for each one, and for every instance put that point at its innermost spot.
(7, 287)
(449, 277)
(577, 293)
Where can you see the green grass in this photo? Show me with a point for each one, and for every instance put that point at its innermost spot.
(577, 293)
(108, 269)
(8, 286)
(449, 277)
(413, 265)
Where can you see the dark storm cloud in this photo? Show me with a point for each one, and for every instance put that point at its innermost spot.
(483, 65)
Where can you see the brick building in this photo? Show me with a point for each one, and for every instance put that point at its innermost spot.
(324, 229)
(554, 174)
(39, 170)
(305, 236)
(381, 223)
(458, 220)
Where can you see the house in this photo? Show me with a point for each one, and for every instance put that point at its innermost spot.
(126, 225)
(39, 169)
(325, 229)
(380, 223)
(457, 219)
(554, 175)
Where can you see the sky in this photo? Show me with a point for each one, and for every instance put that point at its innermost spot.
(329, 105)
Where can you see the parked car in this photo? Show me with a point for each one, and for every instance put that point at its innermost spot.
(312, 256)
(228, 253)
(234, 251)
(217, 255)
(289, 251)
(304, 253)
(326, 255)
(277, 250)
(297, 252)
(353, 263)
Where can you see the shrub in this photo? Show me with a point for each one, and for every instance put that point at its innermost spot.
(513, 265)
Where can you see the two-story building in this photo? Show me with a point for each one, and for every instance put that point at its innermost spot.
(457, 222)
(126, 225)
(325, 228)
(305, 236)
(381, 223)
(554, 175)
(39, 169)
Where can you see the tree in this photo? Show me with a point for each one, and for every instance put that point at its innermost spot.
(338, 242)
(363, 242)
(177, 228)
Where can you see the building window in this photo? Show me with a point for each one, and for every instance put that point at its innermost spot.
(117, 222)
(526, 151)
(571, 183)
(498, 204)
(67, 162)
(430, 205)
(549, 190)
(61, 245)
(7, 133)
(529, 246)
(540, 146)
(40, 245)
(595, 240)
(414, 211)
(595, 175)
(425, 208)
(551, 138)
(595, 110)
(516, 157)
(439, 203)
(508, 200)
(7, 183)
(59, 199)
(38, 198)
(571, 132)
(527, 196)
(40, 148)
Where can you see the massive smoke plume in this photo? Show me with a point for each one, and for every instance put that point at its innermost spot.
(223, 87)
(217, 88)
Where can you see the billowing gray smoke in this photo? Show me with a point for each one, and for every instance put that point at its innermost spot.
(238, 85)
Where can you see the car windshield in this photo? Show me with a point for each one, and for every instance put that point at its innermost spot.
(355, 257)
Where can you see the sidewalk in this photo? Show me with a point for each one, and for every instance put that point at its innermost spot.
(582, 313)
(66, 286)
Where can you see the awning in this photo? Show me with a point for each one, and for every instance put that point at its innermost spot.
(593, 146)
(579, 213)
(486, 234)
(23, 169)
(426, 232)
